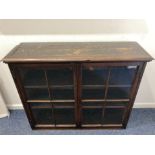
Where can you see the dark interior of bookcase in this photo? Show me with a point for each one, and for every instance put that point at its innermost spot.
(51, 95)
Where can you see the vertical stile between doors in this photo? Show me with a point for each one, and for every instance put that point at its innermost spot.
(78, 91)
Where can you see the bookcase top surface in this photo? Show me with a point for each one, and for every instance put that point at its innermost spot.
(77, 51)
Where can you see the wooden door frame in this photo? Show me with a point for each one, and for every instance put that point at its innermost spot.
(21, 91)
(134, 85)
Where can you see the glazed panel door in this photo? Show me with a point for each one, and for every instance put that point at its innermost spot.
(105, 93)
(49, 93)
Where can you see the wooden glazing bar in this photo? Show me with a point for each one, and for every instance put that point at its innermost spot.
(106, 92)
(49, 92)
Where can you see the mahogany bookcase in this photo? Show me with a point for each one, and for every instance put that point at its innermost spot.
(77, 85)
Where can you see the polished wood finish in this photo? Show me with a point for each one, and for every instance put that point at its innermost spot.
(77, 85)
(70, 51)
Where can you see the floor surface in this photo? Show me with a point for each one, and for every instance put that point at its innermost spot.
(142, 122)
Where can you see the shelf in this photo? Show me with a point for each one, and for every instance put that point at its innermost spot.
(93, 100)
(63, 101)
(117, 100)
(54, 87)
(62, 86)
(71, 86)
(54, 101)
(86, 105)
(55, 106)
(93, 86)
(92, 106)
(103, 86)
(91, 125)
(49, 126)
(66, 125)
(72, 101)
(105, 100)
(41, 105)
(105, 104)
(102, 106)
(113, 104)
(102, 126)
(38, 101)
(118, 86)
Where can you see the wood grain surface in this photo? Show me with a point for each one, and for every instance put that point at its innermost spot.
(77, 51)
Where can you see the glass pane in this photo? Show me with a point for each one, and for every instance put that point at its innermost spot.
(60, 76)
(93, 93)
(94, 76)
(62, 94)
(113, 115)
(122, 75)
(92, 103)
(43, 116)
(37, 94)
(64, 116)
(32, 77)
(35, 105)
(92, 116)
(64, 104)
(123, 104)
(118, 93)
